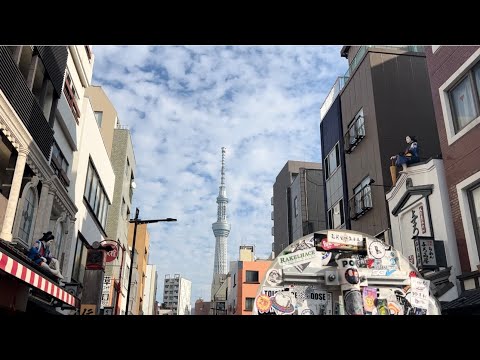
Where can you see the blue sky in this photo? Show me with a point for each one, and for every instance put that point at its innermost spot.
(182, 104)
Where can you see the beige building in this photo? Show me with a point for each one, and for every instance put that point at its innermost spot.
(119, 147)
(142, 245)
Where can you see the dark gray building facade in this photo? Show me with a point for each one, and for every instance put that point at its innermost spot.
(333, 152)
(298, 203)
(386, 97)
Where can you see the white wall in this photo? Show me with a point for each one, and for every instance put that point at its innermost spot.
(441, 218)
(90, 145)
(149, 290)
(184, 296)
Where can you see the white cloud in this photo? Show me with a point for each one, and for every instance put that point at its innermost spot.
(183, 104)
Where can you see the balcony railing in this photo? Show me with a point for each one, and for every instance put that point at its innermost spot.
(363, 49)
(15, 89)
(332, 95)
(355, 134)
(361, 203)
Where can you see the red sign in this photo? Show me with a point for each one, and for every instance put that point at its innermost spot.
(111, 248)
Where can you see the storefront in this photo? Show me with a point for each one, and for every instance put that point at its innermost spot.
(26, 286)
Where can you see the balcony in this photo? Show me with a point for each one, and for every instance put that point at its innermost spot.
(363, 49)
(361, 203)
(15, 88)
(332, 95)
(355, 134)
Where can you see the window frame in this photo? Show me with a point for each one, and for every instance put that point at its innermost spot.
(97, 200)
(349, 146)
(251, 301)
(331, 213)
(361, 186)
(83, 255)
(335, 150)
(246, 277)
(473, 212)
(446, 104)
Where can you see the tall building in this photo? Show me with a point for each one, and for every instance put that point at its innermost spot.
(177, 294)
(245, 276)
(333, 152)
(36, 168)
(150, 290)
(384, 96)
(118, 143)
(142, 249)
(298, 203)
(221, 230)
(455, 87)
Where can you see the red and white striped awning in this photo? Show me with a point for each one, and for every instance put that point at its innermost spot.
(23, 273)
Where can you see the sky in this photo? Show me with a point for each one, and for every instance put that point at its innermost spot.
(182, 105)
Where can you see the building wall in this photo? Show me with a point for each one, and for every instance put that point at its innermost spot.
(91, 146)
(150, 290)
(142, 244)
(430, 173)
(249, 290)
(201, 307)
(385, 85)
(281, 202)
(184, 297)
(331, 133)
(101, 102)
(446, 66)
(308, 189)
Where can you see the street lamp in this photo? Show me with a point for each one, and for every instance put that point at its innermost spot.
(137, 221)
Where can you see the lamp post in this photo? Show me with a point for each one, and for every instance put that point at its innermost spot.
(137, 221)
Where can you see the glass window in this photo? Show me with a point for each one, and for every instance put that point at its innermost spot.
(332, 161)
(363, 198)
(80, 258)
(249, 304)
(27, 215)
(476, 74)
(99, 117)
(475, 208)
(93, 191)
(251, 276)
(88, 183)
(462, 98)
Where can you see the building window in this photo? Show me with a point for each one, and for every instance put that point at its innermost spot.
(332, 161)
(95, 195)
(336, 216)
(127, 168)
(79, 260)
(362, 199)
(27, 216)
(249, 304)
(251, 276)
(355, 133)
(71, 95)
(124, 207)
(465, 100)
(474, 199)
(59, 164)
(99, 117)
(234, 280)
(295, 206)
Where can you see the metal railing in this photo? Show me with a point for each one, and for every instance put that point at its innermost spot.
(332, 95)
(355, 134)
(361, 202)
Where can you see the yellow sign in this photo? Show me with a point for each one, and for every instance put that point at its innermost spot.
(88, 309)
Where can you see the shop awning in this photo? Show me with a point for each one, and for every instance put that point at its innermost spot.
(32, 278)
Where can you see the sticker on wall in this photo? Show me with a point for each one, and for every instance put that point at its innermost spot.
(300, 257)
(353, 302)
(264, 303)
(369, 297)
(351, 275)
(420, 291)
(376, 249)
(382, 307)
(314, 298)
(274, 277)
(283, 303)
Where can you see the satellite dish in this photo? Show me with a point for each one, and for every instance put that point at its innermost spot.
(133, 185)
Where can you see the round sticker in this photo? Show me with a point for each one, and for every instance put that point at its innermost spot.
(264, 303)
